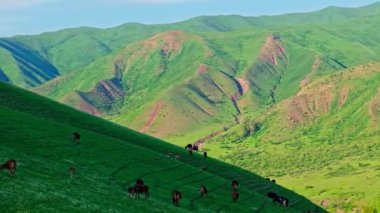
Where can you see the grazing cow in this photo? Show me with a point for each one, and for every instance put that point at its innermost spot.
(195, 148)
(272, 195)
(139, 182)
(139, 188)
(76, 136)
(188, 146)
(132, 192)
(203, 191)
(279, 199)
(273, 181)
(72, 172)
(176, 196)
(144, 190)
(234, 185)
(235, 196)
(10, 165)
(205, 154)
(282, 201)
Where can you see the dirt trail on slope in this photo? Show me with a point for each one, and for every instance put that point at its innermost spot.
(343, 96)
(316, 65)
(374, 109)
(153, 116)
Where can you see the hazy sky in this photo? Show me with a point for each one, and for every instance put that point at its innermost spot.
(36, 16)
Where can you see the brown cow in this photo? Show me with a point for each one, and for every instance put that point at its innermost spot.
(10, 165)
(235, 196)
(203, 191)
(176, 196)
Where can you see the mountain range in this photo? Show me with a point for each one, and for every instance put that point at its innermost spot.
(295, 97)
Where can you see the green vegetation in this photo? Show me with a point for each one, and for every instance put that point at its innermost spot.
(37, 133)
(326, 138)
(294, 96)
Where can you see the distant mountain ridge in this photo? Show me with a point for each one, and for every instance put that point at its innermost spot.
(232, 84)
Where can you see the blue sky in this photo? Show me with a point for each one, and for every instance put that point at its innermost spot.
(36, 16)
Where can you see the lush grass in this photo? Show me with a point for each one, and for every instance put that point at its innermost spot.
(36, 132)
(329, 156)
(196, 104)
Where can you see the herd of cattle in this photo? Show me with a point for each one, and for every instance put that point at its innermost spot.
(140, 188)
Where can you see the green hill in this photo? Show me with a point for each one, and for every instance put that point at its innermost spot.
(37, 133)
(251, 90)
(21, 66)
(326, 137)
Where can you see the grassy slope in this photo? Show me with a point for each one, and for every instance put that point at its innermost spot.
(36, 132)
(23, 67)
(328, 132)
(233, 54)
(327, 34)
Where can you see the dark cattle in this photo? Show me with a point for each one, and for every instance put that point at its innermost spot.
(195, 148)
(273, 181)
(76, 136)
(272, 195)
(234, 185)
(72, 172)
(282, 201)
(138, 188)
(144, 190)
(10, 165)
(132, 192)
(176, 196)
(203, 191)
(279, 199)
(139, 182)
(235, 196)
(188, 146)
(205, 154)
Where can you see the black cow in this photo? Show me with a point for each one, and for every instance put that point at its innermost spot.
(76, 136)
